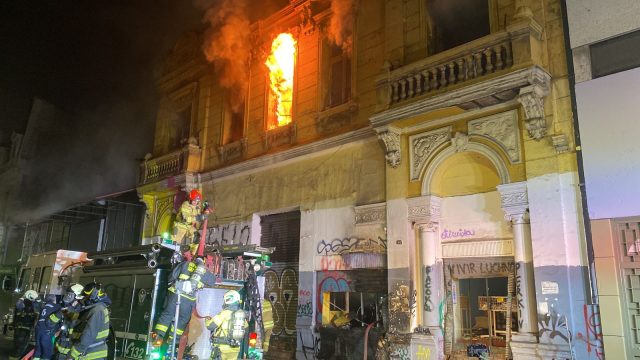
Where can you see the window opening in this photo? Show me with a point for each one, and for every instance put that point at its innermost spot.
(281, 64)
(339, 73)
(456, 22)
(179, 124)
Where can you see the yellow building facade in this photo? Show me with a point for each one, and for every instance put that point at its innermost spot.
(425, 178)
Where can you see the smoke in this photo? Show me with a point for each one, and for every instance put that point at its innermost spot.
(340, 30)
(227, 45)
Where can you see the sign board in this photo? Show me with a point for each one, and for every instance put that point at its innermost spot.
(549, 287)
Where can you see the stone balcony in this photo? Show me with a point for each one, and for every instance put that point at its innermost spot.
(501, 67)
(482, 67)
(180, 161)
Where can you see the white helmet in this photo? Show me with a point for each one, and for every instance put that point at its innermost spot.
(231, 297)
(31, 295)
(77, 290)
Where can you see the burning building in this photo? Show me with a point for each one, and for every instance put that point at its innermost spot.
(411, 161)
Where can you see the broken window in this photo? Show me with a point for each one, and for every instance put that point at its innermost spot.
(233, 123)
(179, 124)
(281, 65)
(337, 70)
(456, 22)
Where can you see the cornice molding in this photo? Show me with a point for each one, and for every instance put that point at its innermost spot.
(256, 164)
(371, 214)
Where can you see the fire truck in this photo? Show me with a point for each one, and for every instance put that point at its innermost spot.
(136, 280)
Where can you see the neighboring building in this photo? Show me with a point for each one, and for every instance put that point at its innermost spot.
(420, 165)
(106, 223)
(605, 47)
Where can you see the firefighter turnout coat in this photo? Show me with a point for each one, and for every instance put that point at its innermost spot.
(184, 225)
(196, 277)
(90, 334)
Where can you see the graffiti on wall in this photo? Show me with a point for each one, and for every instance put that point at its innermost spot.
(519, 295)
(282, 291)
(552, 328)
(480, 268)
(311, 346)
(402, 304)
(227, 234)
(592, 335)
(333, 281)
(352, 244)
(423, 352)
(428, 303)
(399, 352)
(305, 306)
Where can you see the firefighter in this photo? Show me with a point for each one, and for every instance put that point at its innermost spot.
(71, 311)
(186, 279)
(228, 327)
(191, 213)
(49, 322)
(27, 308)
(89, 335)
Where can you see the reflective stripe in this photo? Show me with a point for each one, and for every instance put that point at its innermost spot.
(96, 355)
(102, 334)
(54, 318)
(162, 328)
(74, 352)
(183, 277)
(178, 332)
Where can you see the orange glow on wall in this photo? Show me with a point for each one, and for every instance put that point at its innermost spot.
(281, 63)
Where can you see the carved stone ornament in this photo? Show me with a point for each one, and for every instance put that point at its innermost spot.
(515, 202)
(232, 151)
(422, 147)
(424, 209)
(371, 214)
(502, 129)
(560, 143)
(390, 136)
(532, 99)
(460, 142)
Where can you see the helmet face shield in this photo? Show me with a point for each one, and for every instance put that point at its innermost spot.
(231, 297)
(31, 295)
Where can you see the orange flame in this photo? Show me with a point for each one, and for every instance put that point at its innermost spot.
(281, 64)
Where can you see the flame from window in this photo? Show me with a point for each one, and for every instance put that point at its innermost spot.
(281, 64)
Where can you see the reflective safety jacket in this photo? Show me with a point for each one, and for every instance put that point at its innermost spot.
(89, 336)
(25, 314)
(50, 318)
(63, 342)
(222, 325)
(187, 216)
(186, 271)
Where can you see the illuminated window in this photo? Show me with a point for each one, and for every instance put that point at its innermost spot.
(281, 65)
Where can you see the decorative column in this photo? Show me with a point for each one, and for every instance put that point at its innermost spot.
(515, 204)
(424, 214)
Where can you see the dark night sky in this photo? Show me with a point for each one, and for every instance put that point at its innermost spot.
(98, 61)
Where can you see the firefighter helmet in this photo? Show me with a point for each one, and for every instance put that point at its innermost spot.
(93, 291)
(195, 195)
(31, 295)
(77, 289)
(231, 297)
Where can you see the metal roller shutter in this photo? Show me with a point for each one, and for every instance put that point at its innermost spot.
(282, 231)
